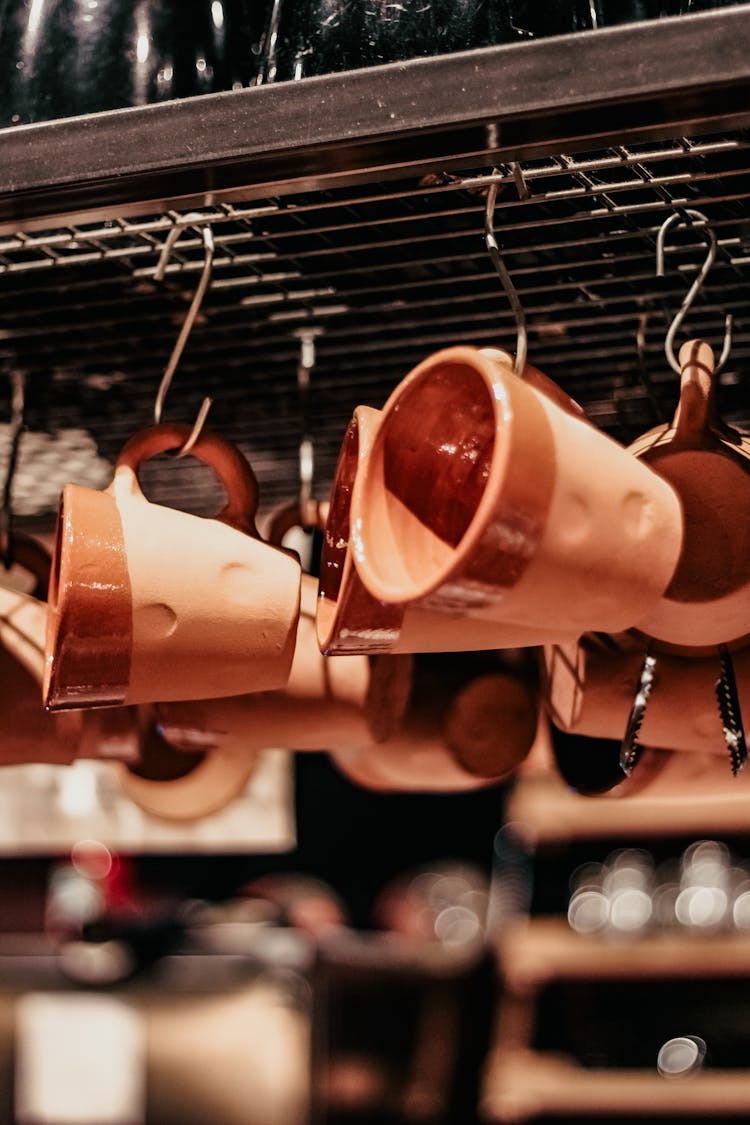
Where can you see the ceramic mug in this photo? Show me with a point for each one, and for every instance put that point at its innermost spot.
(28, 734)
(482, 500)
(429, 723)
(175, 785)
(468, 724)
(707, 463)
(591, 684)
(324, 704)
(349, 618)
(148, 603)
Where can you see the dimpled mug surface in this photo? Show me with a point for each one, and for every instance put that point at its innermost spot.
(483, 498)
(148, 603)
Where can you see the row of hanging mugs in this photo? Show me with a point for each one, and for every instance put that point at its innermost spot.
(479, 510)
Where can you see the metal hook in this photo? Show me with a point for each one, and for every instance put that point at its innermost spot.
(18, 406)
(519, 363)
(307, 360)
(187, 326)
(710, 238)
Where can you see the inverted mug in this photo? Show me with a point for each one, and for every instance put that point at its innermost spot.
(349, 618)
(177, 786)
(707, 463)
(481, 499)
(324, 704)
(148, 603)
(468, 724)
(389, 722)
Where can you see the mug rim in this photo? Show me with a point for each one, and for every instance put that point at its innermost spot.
(487, 368)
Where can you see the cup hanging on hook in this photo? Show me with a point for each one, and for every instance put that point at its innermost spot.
(683, 218)
(187, 325)
(17, 413)
(519, 362)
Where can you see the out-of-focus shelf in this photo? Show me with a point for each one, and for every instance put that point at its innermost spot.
(521, 1084)
(538, 950)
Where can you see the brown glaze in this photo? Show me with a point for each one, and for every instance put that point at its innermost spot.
(173, 786)
(708, 465)
(482, 498)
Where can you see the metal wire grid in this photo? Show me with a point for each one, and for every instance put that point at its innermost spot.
(387, 274)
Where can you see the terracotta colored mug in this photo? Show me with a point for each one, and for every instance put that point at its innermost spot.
(481, 499)
(325, 704)
(388, 722)
(28, 734)
(349, 618)
(468, 723)
(591, 684)
(178, 786)
(148, 603)
(707, 601)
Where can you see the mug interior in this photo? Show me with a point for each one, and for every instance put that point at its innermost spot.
(427, 474)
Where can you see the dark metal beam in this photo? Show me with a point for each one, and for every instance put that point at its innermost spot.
(672, 77)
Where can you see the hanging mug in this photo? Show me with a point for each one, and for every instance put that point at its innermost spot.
(148, 603)
(482, 501)
(349, 618)
(324, 704)
(28, 734)
(61, 58)
(707, 463)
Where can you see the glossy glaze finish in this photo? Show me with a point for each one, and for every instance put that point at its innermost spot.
(708, 465)
(60, 58)
(348, 619)
(482, 500)
(148, 603)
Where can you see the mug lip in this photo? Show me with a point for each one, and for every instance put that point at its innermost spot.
(330, 610)
(488, 368)
(64, 608)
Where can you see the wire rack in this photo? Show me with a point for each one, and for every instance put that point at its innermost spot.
(384, 273)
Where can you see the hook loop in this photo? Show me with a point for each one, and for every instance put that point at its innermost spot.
(187, 325)
(519, 363)
(682, 218)
(17, 411)
(305, 365)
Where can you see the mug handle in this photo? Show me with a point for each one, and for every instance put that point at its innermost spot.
(34, 558)
(305, 514)
(225, 459)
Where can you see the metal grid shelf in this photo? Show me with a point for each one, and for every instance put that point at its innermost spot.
(387, 269)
